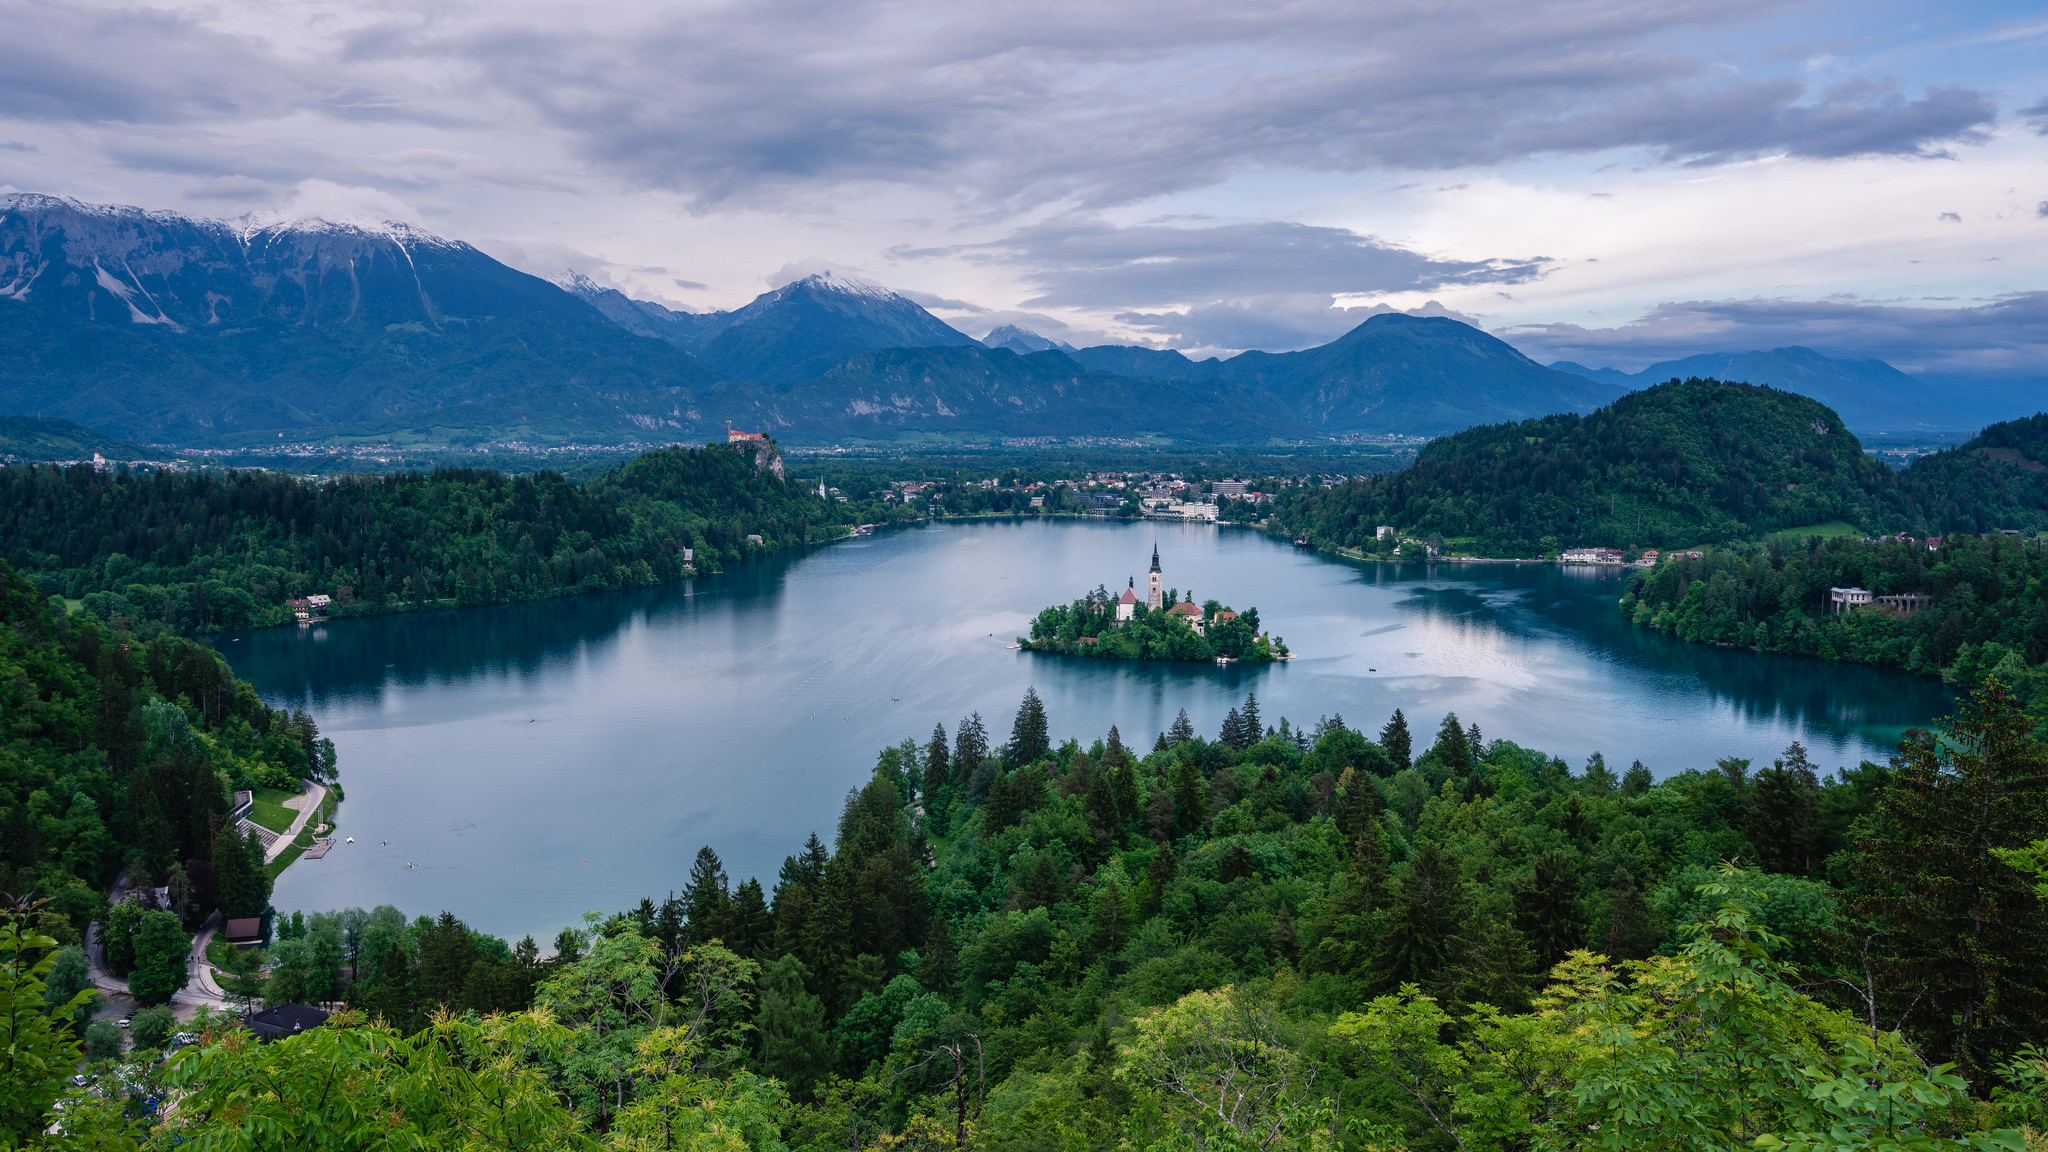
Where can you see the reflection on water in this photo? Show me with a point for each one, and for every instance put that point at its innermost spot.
(530, 761)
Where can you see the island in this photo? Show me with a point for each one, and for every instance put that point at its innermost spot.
(1160, 626)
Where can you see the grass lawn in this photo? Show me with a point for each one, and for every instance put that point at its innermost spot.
(270, 811)
(1827, 531)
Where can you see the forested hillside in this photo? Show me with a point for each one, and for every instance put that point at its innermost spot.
(1983, 608)
(203, 552)
(121, 753)
(1681, 463)
(1283, 938)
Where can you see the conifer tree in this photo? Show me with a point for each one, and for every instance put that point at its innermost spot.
(1029, 738)
(1359, 804)
(1452, 749)
(790, 1026)
(390, 995)
(1159, 877)
(1781, 814)
(1181, 732)
(1253, 726)
(1189, 799)
(1395, 739)
(1425, 913)
(938, 766)
(1956, 933)
(753, 927)
(970, 748)
(1475, 742)
(1113, 752)
(447, 949)
(1109, 925)
(1629, 933)
(938, 963)
(1599, 777)
(706, 900)
(1124, 788)
(1637, 780)
(1232, 734)
(1547, 909)
(241, 887)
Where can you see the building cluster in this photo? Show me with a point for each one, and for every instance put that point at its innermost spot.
(1648, 558)
(1842, 600)
(309, 608)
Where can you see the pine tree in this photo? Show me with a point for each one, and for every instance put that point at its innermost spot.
(1189, 800)
(1957, 934)
(1547, 909)
(790, 1024)
(1637, 781)
(1395, 739)
(1629, 933)
(1475, 742)
(753, 927)
(1599, 777)
(1253, 726)
(1452, 749)
(1029, 738)
(446, 951)
(706, 901)
(1359, 804)
(1109, 925)
(390, 996)
(1181, 732)
(1232, 735)
(1124, 787)
(1114, 753)
(1041, 887)
(1425, 913)
(970, 748)
(938, 963)
(1159, 877)
(938, 766)
(241, 887)
(1781, 815)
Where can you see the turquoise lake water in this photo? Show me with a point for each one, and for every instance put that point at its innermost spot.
(535, 760)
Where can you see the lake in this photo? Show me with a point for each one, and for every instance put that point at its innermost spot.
(520, 764)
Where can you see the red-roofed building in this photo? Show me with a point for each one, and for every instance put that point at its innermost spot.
(1127, 604)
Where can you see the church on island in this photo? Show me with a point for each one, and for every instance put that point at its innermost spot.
(1149, 628)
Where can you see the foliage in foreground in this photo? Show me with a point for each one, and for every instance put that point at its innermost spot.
(1280, 939)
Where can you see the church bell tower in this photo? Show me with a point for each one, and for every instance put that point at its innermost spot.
(1155, 596)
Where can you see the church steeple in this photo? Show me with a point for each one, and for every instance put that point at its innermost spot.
(1155, 555)
(1155, 594)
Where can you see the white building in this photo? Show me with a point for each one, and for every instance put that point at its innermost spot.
(1127, 604)
(1843, 599)
(1155, 592)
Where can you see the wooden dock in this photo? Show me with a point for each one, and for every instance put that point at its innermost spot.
(318, 849)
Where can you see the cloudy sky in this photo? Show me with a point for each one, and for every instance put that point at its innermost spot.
(1600, 180)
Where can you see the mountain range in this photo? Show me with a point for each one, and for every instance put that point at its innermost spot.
(1869, 394)
(166, 329)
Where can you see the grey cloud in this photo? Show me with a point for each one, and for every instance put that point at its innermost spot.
(2004, 337)
(1080, 262)
(932, 300)
(1105, 104)
(693, 285)
(129, 65)
(2036, 117)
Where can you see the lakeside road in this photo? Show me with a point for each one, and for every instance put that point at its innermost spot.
(310, 802)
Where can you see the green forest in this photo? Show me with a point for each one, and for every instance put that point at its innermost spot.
(118, 760)
(1089, 627)
(1677, 465)
(1283, 938)
(1982, 609)
(199, 552)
